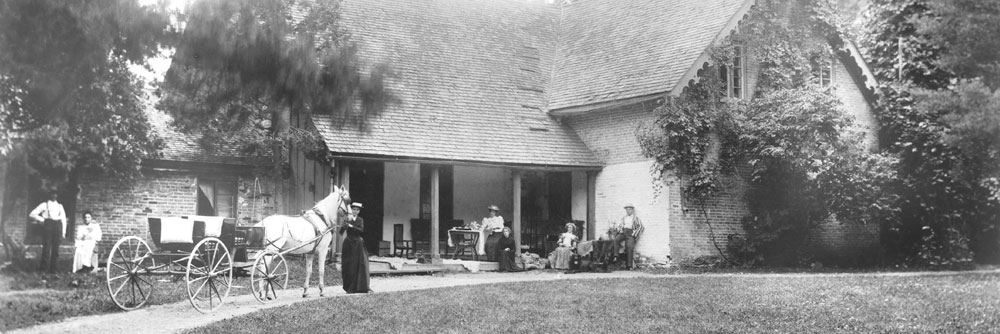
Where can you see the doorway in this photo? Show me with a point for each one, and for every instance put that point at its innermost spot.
(366, 187)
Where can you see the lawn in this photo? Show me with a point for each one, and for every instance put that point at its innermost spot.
(28, 298)
(965, 303)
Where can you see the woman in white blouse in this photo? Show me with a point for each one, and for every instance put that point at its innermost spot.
(87, 237)
(492, 227)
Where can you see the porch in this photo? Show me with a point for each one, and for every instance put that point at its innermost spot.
(411, 206)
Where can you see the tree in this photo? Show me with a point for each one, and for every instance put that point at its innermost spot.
(243, 70)
(940, 118)
(65, 88)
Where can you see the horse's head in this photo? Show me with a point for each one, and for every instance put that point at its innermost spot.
(335, 205)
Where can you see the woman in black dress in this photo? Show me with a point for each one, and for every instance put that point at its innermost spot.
(506, 248)
(354, 258)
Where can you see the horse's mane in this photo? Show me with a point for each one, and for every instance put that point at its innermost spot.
(329, 206)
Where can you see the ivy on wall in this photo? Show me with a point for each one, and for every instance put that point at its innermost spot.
(789, 139)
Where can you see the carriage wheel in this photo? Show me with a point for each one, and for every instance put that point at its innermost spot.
(209, 274)
(269, 274)
(129, 284)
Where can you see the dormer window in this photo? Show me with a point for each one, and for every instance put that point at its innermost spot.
(733, 85)
(822, 70)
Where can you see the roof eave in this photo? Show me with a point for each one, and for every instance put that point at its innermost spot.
(472, 163)
(692, 72)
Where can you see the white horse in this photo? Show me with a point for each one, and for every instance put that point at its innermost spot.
(310, 233)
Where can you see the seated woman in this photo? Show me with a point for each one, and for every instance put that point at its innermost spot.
(492, 226)
(560, 258)
(87, 236)
(506, 250)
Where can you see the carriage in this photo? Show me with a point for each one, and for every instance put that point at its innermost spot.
(205, 251)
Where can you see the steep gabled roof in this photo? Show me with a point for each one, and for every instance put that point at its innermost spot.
(617, 49)
(471, 79)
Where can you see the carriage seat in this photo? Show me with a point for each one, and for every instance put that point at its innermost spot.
(181, 229)
(176, 230)
(213, 224)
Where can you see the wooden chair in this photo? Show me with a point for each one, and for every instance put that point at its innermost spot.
(403, 248)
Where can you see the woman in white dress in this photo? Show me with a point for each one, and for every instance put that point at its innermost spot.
(560, 257)
(87, 237)
(492, 226)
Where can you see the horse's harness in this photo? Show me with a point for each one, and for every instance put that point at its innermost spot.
(319, 233)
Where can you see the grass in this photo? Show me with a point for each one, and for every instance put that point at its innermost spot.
(29, 298)
(965, 303)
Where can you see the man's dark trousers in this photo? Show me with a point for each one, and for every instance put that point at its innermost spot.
(51, 237)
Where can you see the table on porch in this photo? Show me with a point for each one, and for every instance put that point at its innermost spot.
(461, 239)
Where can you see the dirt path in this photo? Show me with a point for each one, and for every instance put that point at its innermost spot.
(172, 318)
(176, 317)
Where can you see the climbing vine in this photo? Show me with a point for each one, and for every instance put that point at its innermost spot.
(789, 140)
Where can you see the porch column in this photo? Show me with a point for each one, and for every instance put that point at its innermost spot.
(517, 212)
(435, 212)
(591, 205)
(345, 176)
(344, 179)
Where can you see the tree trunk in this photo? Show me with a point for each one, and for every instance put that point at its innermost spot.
(280, 127)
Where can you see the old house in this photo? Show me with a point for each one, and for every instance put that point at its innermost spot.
(534, 107)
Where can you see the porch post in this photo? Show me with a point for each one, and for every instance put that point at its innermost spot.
(435, 212)
(345, 176)
(517, 212)
(591, 205)
(334, 181)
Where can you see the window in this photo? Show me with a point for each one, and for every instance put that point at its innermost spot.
(822, 70)
(216, 197)
(733, 85)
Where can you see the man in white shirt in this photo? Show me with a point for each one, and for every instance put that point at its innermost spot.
(627, 230)
(53, 217)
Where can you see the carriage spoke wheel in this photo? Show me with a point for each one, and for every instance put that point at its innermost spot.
(209, 274)
(128, 278)
(269, 274)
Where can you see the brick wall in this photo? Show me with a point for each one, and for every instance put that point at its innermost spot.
(123, 207)
(856, 105)
(846, 243)
(610, 134)
(694, 232)
(624, 183)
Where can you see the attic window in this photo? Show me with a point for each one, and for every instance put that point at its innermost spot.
(733, 83)
(822, 70)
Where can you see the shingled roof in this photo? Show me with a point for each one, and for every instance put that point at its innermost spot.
(617, 49)
(476, 78)
(471, 79)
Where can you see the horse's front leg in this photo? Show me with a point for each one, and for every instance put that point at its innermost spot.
(322, 268)
(309, 269)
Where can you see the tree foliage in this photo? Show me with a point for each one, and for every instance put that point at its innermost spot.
(792, 139)
(243, 69)
(940, 117)
(65, 88)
